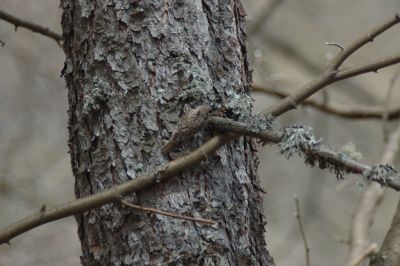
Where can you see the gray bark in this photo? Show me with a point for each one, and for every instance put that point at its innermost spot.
(133, 68)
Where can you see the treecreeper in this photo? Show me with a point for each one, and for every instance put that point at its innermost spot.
(187, 126)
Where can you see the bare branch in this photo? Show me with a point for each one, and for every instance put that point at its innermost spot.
(169, 214)
(371, 198)
(302, 232)
(370, 67)
(289, 50)
(336, 109)
(369, 37)
(331, 73)
(17, 22)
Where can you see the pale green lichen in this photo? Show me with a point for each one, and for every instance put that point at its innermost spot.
(350, 151)
(296, 139)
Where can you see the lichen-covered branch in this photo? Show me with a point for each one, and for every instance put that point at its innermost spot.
(300, 140)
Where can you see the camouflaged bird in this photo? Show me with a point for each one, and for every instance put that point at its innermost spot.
(189, 125)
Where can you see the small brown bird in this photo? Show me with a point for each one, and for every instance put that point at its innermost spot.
(189, 125)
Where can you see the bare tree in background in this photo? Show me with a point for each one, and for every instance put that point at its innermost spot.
(132, 70)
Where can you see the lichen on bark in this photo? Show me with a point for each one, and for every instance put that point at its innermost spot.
(133, 69)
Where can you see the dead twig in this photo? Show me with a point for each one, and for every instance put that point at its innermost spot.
(17, 22)
(165, 213)
(338, 45)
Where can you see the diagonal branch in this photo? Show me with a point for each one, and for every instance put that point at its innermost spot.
(331, 73)
(314, 154)
(369, 37)
(326, 78)
(17, 22)
(370, 67)
(175, 167)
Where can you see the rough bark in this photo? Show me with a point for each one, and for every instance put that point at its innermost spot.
(133, 68)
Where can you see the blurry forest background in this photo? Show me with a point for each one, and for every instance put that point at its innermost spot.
(35, 165)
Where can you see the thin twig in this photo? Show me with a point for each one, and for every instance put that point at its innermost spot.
(370, 199)
(386, 105)
(169, 214)
(173, 168)
(369, 37)
(302, 232)
(334, 108)
(338, 45)
(370, 250)
(17, 22)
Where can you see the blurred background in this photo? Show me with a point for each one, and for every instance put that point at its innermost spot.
(286, 49)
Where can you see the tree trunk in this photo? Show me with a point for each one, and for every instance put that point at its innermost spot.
(133, 68)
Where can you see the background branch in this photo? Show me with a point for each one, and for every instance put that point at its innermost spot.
(386, 105)
(264, 15)
(17, 22)
(371, 198)
(331, 74)
(389, 253)
(334, 108)
(302, 232)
